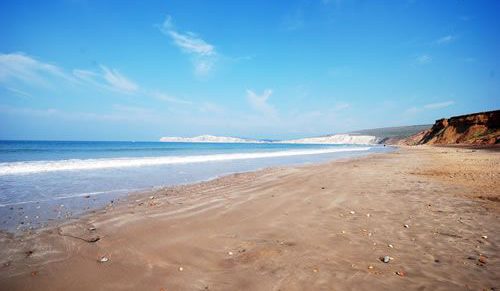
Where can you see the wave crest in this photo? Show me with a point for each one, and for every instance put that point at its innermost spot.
(15, 168)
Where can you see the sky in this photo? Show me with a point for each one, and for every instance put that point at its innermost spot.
(140, 70)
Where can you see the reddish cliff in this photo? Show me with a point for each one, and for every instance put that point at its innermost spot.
(477, 128)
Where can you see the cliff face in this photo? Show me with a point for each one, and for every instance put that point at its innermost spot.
(477, 128)
(336, 139)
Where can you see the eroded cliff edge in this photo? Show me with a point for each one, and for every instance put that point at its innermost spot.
(481, 128)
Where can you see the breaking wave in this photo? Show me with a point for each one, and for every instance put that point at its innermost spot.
(33, 167)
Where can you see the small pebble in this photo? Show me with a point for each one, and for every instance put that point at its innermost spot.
(406, 226)
(386, 259)
(352, 212)
(181, 269)
(230, 253)
(400, 273)
(103, 259)
(370, 267)
(391, 246)
(484, 237)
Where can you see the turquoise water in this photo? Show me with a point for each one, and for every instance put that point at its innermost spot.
(38, 176)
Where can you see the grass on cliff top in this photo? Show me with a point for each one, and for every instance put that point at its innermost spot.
(393, 132)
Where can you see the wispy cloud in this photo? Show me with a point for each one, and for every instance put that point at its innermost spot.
(169, 98)
(413, 110)
(18, 67)
(21, 67)
(260, 102)
(18, 92)
(191, 43)
(108, 79)
(203, 54)
(439, 105)
(423, 59)
(118, 81)
(430, 106)
(203, 66)
(445, 40)
(341, 106)
(117, 113)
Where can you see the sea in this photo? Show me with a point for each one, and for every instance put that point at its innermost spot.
(46, 181)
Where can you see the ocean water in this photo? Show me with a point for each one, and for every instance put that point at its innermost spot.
(42, 181)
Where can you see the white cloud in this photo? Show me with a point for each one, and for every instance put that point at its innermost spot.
(445, 39)
(84, 74)
(412, 110)
(20, 67)
(18, 92)
(202, 67)
(168, 98)
(107, 78)
(439, 105)
(203, 54)
(430, 106)
(259, 102)
(191, 43)
(341, 106)
(117, 113)
(424, 59)
(118, 81)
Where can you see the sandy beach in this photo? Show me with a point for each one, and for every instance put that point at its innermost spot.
(433, 211)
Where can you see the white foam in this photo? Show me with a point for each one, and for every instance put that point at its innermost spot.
(15, 168)
(69, 196)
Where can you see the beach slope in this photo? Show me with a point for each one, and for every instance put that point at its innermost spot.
(433, 211)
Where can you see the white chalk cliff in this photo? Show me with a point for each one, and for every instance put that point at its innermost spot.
(208, 139)
(330, 139)
(335, 139)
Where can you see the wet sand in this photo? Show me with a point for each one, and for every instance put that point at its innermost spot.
(433, 211)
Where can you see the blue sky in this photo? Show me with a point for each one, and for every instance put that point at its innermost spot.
(134, 70)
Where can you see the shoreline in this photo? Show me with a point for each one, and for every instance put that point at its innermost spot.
(87, 203)
(307, 226)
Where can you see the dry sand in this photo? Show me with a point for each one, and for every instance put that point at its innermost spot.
(320, 227)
